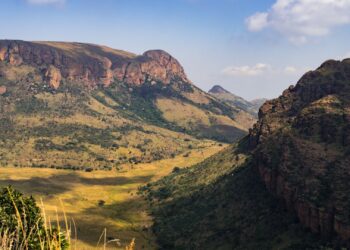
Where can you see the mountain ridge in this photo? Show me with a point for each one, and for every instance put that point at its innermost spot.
(226, 96)
(90, 63)
(103, 107)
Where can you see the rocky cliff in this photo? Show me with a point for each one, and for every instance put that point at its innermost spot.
(90, 64)
(302, 149)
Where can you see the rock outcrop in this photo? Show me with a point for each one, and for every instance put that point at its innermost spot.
(3, 90)
(302, 149)
(53, 77)
(91, 64)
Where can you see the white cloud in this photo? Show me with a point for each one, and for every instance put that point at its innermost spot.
(300, 20)
(290, 70)
(262, 69)
(258, 21)
(246, 70)
(43, 2)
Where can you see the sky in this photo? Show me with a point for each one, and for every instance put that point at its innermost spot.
(253, 48)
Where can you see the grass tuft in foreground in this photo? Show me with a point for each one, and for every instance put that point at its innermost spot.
(24, 226)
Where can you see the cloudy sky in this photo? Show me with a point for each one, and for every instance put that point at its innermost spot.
(254, 48)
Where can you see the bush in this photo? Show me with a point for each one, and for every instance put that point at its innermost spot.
(101, 203)
(22, 225)
(176, 169)
(31, 105)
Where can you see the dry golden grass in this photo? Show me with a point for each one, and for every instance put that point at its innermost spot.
(244, 120)
(160, 141)
(79, 48)
(101, 200)
(183, 114)
(189, 116)
(15, 73)
(197, 97)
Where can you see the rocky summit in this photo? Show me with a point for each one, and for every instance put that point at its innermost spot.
(90, 64)
(217, 89)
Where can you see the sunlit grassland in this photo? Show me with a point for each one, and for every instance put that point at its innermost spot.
(101, 199)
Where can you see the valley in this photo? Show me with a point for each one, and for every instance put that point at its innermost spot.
(129, 148)
(101, 199)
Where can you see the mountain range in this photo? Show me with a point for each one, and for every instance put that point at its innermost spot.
(281, 184)
(75, 105)
(224, 95)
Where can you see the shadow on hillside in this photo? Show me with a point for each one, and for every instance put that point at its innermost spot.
(61, 183)
(234, 212)
(122, 220)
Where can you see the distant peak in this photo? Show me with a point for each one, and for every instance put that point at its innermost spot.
(217, 89)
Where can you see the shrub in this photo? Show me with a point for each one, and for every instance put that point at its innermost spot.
(101, 203)
(176, 169)
(22, 225)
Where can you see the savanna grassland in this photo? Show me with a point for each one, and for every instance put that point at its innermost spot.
(88, 125)
(101, 200)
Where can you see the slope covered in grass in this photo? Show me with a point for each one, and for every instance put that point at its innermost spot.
(221, 203)
(76, 128)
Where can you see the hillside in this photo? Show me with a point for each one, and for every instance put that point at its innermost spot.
(257, 103)
(221, 203)
(302, 143)
(252, 107)
(285, 186)
(74, 105)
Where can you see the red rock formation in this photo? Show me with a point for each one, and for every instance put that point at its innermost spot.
(2, 90)
(91, 64)
(53, 77)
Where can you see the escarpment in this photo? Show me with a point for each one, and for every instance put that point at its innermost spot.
(91, 64)
(302, 149)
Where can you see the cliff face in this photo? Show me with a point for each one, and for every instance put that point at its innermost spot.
(302, 149)
(91, 64)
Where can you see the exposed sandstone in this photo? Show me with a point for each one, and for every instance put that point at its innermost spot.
(90, 64)
(53, 77)
(3, 90)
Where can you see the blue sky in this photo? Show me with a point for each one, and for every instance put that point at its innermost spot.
(254, 48)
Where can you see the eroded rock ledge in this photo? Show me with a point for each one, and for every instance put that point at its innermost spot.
(91, 64)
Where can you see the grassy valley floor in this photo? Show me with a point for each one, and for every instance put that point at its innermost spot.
(101, 200)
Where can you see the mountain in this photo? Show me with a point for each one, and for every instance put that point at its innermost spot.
(284, 186)
(257, 103)
(75, 105)
(302, 143)
(236, 101)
